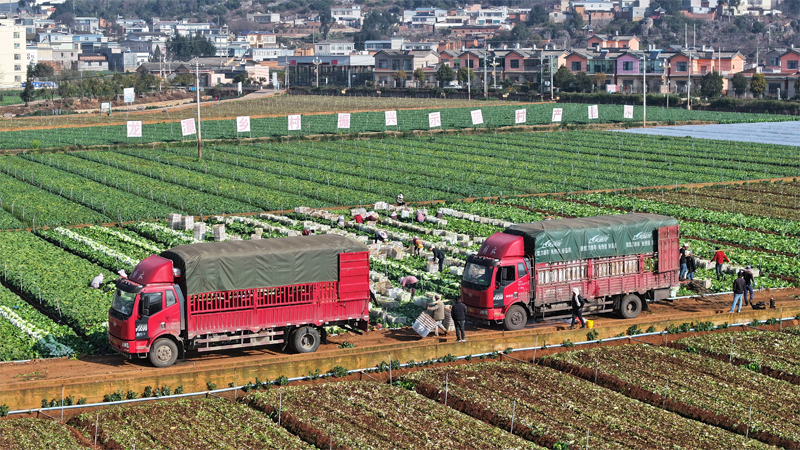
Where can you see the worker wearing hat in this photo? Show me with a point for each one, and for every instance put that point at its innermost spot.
(748, 285)
(400, 201)
(436, 308)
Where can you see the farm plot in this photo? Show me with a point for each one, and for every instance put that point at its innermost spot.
(549, 407)
(361, 122)
(29, 334)
(86, 189)
(371, 415)
(38, 434)
(218, 424)
(723, 393)
(717, 199)
(60, 281)
(31, 204)
(776, 351)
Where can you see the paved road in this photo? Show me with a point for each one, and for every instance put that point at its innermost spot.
(783, 133)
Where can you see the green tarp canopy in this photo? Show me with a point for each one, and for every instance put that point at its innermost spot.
(591, 237)
(225, 266)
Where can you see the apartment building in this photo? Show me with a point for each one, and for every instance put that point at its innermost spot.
(12, 54)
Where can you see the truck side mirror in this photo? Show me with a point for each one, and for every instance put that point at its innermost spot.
(145, 306)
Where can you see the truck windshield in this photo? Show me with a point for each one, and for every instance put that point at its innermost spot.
(123, 302)
(478, 274)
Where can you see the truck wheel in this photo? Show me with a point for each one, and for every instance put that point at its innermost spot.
(516, 318)
(163, 353)
(630, 307)
(305, 340)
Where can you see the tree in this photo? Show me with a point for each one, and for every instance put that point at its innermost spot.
(185, 48)
(402, 76)
(40, 70)
(27, 94)
(583, 82)
(711, 84)
(325, 20)
(739, 84)
(563, 78)
(465, 74)
(538, 15)
(419, 74)
(758, 85)
(445, 74)
(600, 79)
(520, 33)
(157, 53)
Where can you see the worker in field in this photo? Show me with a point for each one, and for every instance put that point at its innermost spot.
(438, 256)
(719, 258)
(691, 265)
(748, 285)
(459, 316)
(738, 292)
(409, 283)
(381, 237)
(682, 275)
(436, 309)
(416, 245)
(577, 308)
(96, 282)
(340, 222)
(400, 200)
(420, 216)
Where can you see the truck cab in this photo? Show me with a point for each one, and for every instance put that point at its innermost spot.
(145, 318)
(497, 283)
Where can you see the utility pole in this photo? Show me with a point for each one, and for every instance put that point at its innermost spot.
(689, 91)
(197, 88)
(550, 65)
(485, 71)
(644, 90)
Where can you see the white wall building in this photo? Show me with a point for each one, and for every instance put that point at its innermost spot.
(13, 54)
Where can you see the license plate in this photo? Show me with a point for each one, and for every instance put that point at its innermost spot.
(114, 341)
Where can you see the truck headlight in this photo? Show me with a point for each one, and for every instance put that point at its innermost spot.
(124, 345)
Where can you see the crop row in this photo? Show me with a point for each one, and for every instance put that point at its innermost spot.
(29, 334)
(59, 281)
(408, 120)
(732, 393)
(545, 406)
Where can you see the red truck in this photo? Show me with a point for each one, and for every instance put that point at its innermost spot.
(220, 295)
(618, 262)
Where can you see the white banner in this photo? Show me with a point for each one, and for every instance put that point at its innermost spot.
(129, 95)
(477, 117)
(434, 120)
(105, 107)
(134, 128)
(343, 121)
(521, 116)
(391, 118)
(295, 122)
(628, 114)
(557, 113)
(243, 124)
(593, 112)
(187, 127)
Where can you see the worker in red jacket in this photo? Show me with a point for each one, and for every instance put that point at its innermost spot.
(720, 258)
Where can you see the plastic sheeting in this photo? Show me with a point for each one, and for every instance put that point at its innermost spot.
(226, 266)
(591, 237)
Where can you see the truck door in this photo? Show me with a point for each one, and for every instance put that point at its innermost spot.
(505, 292)
(172, 312)
(152, 310)
(524, 281)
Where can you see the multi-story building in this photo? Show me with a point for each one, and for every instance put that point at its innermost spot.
(260, 39)
(12, 54)
(334, 48)
(264, 18)
(349, 15)
(86, 24)
(389, 62)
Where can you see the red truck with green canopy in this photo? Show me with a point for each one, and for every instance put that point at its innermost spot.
(529, 270)
(220, 295)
